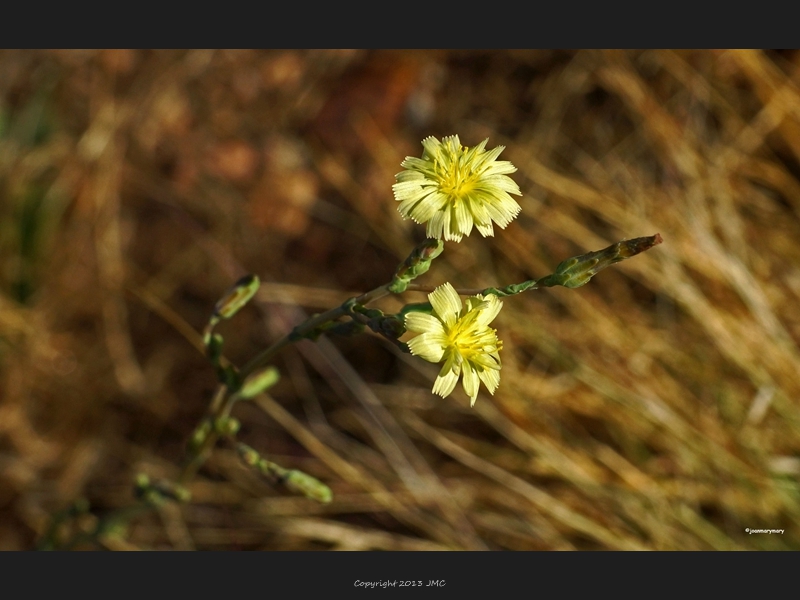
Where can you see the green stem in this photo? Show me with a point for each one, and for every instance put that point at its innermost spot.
(571, 273)
(310, 325)
(223, 401)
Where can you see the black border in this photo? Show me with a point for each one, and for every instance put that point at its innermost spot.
(460, 25)
(465, 574)
(303, 574)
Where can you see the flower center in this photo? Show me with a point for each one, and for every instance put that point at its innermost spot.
(471, 341)
(455, 178)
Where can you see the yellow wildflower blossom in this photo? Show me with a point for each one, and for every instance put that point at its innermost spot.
(461, 337)
(453, 187)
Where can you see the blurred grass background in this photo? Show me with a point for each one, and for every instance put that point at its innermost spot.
(657, 407)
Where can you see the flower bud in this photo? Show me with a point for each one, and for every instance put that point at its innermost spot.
(240, 294)
(309, 486)
(227, 426)
(258, 382)
(417, 263)
(578, 270)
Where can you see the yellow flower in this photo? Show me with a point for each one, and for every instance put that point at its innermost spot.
(452, 188)
(461, 337)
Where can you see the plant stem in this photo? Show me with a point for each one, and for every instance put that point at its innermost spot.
(223, 401)
(308, 326)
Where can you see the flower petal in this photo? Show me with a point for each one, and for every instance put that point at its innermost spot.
(504, 183)
(462, 218)
(502, 209)
(445, 383)
(432, 146)
(486, 230)
(451, 144)
(490, 378)
(446, 302)
(478, 212)
(435, 228)
(489, 359)
(490, 310)
(423, 323)
(449, 234)
(471, 382)
(408, 176)
(435, 202)
(406, 190)
(500, 167)
(417, 164)
(428, 346)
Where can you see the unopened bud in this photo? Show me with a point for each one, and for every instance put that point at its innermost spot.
(417, 263)
(154, 497)
(248, 455)
(227, 426)
(142, 482)
(294, 480)
(389, 326)
(307, 485)
(169, 489)
(577, 271)
(239, 295)
(199, 436)
(258, 382)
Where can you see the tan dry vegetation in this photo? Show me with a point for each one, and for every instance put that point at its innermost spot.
(657, 407)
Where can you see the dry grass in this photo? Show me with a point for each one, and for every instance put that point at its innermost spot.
(657, 407)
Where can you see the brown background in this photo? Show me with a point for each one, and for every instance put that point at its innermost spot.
(657, 407)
